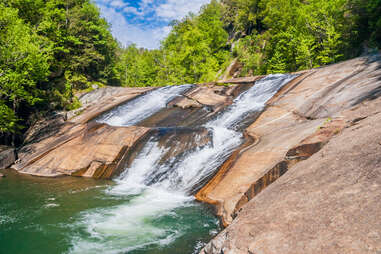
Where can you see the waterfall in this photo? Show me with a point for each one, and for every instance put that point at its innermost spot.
(143, 107)
(156, 188)
(193, 167)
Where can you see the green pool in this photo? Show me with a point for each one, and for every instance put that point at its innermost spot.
(77, 215)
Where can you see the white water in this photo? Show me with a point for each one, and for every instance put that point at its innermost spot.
(128, 227)
(142, 107)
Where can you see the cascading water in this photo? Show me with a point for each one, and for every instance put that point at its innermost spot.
(143, 106)
(156, 190)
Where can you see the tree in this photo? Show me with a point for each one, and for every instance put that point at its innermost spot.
(23, 64)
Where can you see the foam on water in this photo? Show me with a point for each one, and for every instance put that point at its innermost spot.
(142, 107)
(131, 226)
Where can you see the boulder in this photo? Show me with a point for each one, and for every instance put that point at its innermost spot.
(196, 106)
(7, 156)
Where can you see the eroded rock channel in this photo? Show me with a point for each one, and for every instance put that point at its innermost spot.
(225, 144)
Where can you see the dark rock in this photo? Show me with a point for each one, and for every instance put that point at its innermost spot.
(7, 156)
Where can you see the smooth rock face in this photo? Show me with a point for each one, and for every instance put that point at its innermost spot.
(55, 147)
(102, 100)
(7, 156)
(82, 147)
(298, 121)
(329, 203)
(92, 151)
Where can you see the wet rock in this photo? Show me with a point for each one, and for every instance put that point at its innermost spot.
(196, 106)
(209, 96)
(241, 80)
(185, 103)
(327, 204)
(91, 150)
(298, 122)
(101, 100)
(59, 146)
(7, 156)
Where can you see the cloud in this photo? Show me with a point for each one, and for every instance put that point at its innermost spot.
(145, 22)
(132, 10)
(118, 4)
(131, 33)
(177, 9)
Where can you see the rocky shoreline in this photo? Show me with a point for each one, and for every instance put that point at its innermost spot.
(308, 174)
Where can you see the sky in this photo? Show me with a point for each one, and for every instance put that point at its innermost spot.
(145, 22)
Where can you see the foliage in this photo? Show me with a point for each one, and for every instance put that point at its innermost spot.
(48, 50)
(266, 36)
(194, 51)
(51, 49)
(23, 64)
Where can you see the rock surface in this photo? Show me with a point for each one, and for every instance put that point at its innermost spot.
(55, 147)
(7, 156)
(103, 99)
(95, 150)
(298, 121)
(82, 147)
(329, 203)
(196, 106)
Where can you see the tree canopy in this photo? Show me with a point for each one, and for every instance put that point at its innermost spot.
(51, 49)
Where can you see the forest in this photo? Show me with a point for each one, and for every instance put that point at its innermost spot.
(52, 49)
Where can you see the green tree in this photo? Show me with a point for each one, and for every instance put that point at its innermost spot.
(23, 65)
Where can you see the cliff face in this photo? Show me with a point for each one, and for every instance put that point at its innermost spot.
(328, 203)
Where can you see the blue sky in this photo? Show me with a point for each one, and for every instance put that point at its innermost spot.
(145, 22)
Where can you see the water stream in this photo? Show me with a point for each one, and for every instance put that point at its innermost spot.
(158, 189)
(143, 106)
(150, 207)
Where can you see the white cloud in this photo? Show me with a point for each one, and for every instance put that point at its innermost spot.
(132, 10)
(118, 3)
(126, 33)
(143, 29)
(177, 9)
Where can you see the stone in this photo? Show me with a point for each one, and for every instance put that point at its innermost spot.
(298, 121)
(101, 100)
(196, 106)
(91, 150)
(78, 146)
(7, 156)
(240, 80)
(328, 203)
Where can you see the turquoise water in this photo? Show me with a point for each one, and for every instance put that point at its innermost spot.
(77, 215)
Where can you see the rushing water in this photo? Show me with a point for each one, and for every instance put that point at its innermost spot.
(143, 106)
(149, 208)
(39, 216)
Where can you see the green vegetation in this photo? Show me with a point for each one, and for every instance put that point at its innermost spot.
(50, 49)
(194, 51)
(266, 36)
